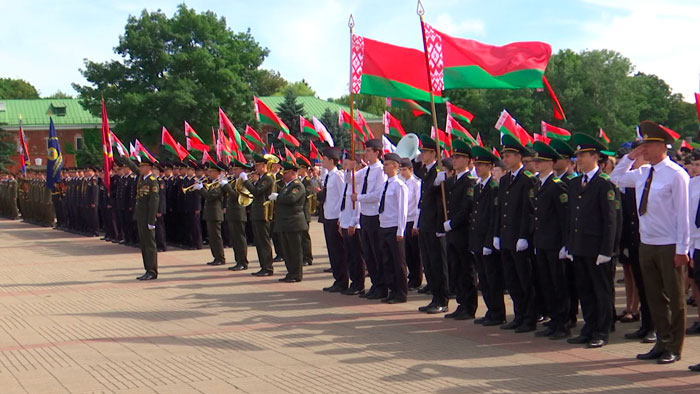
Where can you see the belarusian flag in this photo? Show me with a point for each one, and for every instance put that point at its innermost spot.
(601, 134)
(307, 127)
(685, 144)
(193, 140)
(171, 145)
(453, 127)
(381, 69)
(365, 127)
(344, 120)
(697, 104)
(555, 132)
(288, 139)
(478, 139)
(459, 113)
(265, 115)
(506, 124)
(226, 124)
(313, 151)
(322, 130)
(107, 156)
(558, 110)
(253, 136)
(444, 138)
(392, 126)
(302, 158)
(495, 152)
(118, 144)
(415, 108)
(542, 138)
(670, 132)
(206, 158)
(289, 156)
(141, 150)
(463, 63)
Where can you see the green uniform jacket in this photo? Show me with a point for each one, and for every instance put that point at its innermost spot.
(213, 203)
(289, 208)
(147, 195)
(309, 191)
(234, 211)
(260, 190)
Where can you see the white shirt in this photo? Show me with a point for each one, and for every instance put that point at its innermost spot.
(543, 180)
(473, 173)
(349, 217)
(666, 219)
(395, 205)
(413, 185)
(147, 175)
(694, 198)
(516, 172)
(591, 173)
(375, 186)
(334, 194)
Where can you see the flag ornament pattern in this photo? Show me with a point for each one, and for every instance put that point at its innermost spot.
(454, 128)
(436, 63)
(506, 124)
(459, 113)
(107, 155)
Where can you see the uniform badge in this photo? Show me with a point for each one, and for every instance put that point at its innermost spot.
(470, 192)
(532, 193)
(564, 198)
(611, 195)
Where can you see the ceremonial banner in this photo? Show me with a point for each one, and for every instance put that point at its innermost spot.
(415, 108)
(55, 159)
(392, 126)
(265, 115)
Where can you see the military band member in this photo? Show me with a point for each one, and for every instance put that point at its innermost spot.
(213, 210)
(260, 185)
(332, 196)
(413, 263)
(236, 219)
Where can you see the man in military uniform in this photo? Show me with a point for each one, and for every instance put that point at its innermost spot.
(92, 191)
(145, 211)
(236, 219)
(591, 238)
(290, 222)
(260, 185)
(213, 196)
(305, 179)
(276, 239)
(162, 207)
(550, 201)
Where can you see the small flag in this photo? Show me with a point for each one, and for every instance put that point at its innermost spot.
(478, 139)
(670, 132)
(193, 140)
(495, 152)
(392, 126)
(288, 139)
(685, 144)
(387, 145)
(308, 128)
(265, 115)
(313, 151)
(321, 129)
(459, 113)
(604, 136)
(555, 132)
(24, 153)
(639, 135)
(697, 104)
(143, 152)
(107, 156)
(289, 156)
(453, 127)
(558, 110)
(253, 136)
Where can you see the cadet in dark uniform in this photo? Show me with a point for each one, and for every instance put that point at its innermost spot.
(145, 210)
(591, 238)
(236, 219)
(459, 190)
(160, 216)
(513, 234)
(260, 185)
(290, 222)
(276, 173)
(92, 191)
(551, 200)
(213, 210)
(310, 194)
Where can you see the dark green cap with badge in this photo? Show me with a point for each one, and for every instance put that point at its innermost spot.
(544, 152)
(653, 132)
(512, 144)
(562, 147)
(427, 143)
(588, 143)
(258, 158)
(235, 163)
(461, 148)
(289, 166)
(483, 155)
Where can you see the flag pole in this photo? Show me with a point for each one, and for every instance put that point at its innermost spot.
(421, 11)
(351, 25)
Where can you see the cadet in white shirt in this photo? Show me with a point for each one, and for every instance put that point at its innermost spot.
(415, 267)
(349, 226)
(331, 196)
(393, 210)
(662, 193)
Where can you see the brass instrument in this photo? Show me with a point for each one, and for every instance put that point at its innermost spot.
(245, 197)
(269, 206)
(313, 202)
(188, 188)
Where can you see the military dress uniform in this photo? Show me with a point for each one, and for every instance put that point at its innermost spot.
(290, 224)
(236, 219)
(306, 237)
(214, 216)
(260, 190)
(161, 242)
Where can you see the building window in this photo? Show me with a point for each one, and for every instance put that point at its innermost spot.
(79, 142)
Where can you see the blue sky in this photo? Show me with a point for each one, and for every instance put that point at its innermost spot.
(45, 42)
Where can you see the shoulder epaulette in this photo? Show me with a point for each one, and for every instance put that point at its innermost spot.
(604, 176)
(493, 183)
(529, 174)
(571, 176)
(152, 178)
(555, 179)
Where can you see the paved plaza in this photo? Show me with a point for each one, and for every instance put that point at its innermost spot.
(73, 319)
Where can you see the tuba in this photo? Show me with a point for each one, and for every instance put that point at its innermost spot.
(269, 206)
(408, 146)
(245, 197)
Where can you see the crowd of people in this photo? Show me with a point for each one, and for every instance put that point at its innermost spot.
(545, 225)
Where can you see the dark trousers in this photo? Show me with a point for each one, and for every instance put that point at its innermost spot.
(415, 268)
(517, 272)
(236, 229)
(261, 235)
(336, 252)
(462, 262)
(119, 222)
(92, 221)
(194, 230)
(293, 253)
(595, 293)
(216, 244)
(110, 224)
(435, 265)
(553, 287)
(490, 269)
(160, 233)
(306, 247)
(147, 241)
(277, 241)
(128, 222)
(647, 323)
(394, 272)
(356, 264)
(369, 239)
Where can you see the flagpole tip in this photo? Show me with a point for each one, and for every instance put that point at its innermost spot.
(419, 9)
(351, 22)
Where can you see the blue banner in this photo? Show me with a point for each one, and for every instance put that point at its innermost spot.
(55, 159)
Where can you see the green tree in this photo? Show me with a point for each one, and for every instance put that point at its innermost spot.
(289, 111)
(175, 69)
(17, 89)
(268, 82)
(8, 147)
(59, 95)
(299, 88)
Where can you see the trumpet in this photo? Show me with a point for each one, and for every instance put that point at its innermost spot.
(188, 188)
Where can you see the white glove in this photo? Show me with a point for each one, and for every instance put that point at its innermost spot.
(243, 176)
(626, 252)
(440, 235)
(151, 227)
(441, 176)
(447, 226)
(521, 245)
(497, 243)
(273, 196)
(198, 186)
(486, 251)
(223, 182)
(563, 253)
(602, 259)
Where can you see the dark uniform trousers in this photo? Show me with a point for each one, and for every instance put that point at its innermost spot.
(462, 262)
(236, 230)
(160, 233)
(393, 263)
(432, 255)
(415, 268)
(336, 252)
(215, 242)
(306, 246)
(593, 285)
(490, 270)
(263, 245)
(356, 264)
(293, 258)
(369, 239)
(554, 287)
(517, 272)
(147, 241)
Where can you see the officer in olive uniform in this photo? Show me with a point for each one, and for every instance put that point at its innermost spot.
(213, 196)
(145, 211)
(260, 185)
(290, 222)
(236, 219)
(304, 164)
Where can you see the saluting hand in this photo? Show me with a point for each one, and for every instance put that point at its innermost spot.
(636, 152)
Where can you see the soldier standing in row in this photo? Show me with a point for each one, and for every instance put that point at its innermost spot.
(236, 218)
(213, 211)
(290, 222)
(260, 185)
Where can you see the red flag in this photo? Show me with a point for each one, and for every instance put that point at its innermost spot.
(289, 156)
(392, 126)
(313, 151)
(272, 149)
(288, 139)
(542, 138)
(24, 153)
(107, 155)
(523, 134)
(554, 132)
(207, 158)
(697, 104)
(495, 152)
(604, 136)
(301, 157)
(253, 136)
(225, 123)
(478, 139)
(671, 132)
(459, 113)
(267, 116)
(685, 144)
(558, 111)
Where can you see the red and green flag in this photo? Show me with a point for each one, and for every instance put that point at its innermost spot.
(685, 144)
(392, 126)
(107, 155)
(121, 148)
(459, 113)
(555, 132)
(463, 63)
(206, 158)
(313, 151)
(415, 108)
(542, 138)
(478, 139)
(302, 158)
(308, 128)
(344, 120)
(193, 140)
(289, 156)
(143, 152)
(265, 115)
(556, 106)
(288, 139)
(670, 132)
(506, 124)
(601, 134)
(381, 69)
(697, 104)
(171, 145)
(365, 127)
(495, 152)
(226, 124)
(454, 128)
(444, 138)
(253, 136)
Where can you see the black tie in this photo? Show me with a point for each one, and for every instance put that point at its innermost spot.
(342, 204)
(585, 180)
(381, 202)
(645, 193)
(325, 182)
(364, 183)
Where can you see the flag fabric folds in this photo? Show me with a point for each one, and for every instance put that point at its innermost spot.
(415, 108)
(107, 156)
(321, 129)
(288, 139)
(193, 140)
(392, 126)
(55, 159)
(307, 127)
(253, 136)
(265, 115)
(458, 113)
(601, 134)
(173, 146)
(345, 121)
(454, 128)
(23, 151)
(556, 106)
(143, 152)
(506, 124)
(697, 104)
(555, 132)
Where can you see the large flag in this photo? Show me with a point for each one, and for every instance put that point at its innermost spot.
(415, 108)
(265, 115)
(173, 146)
(23, 152)
(307, 127)
(226, 124)
(252, 136)
(381, 69)
(459, 113)
(462, 63)
(697, 104)
(554, 132)
(55, 159)
(193, 140)
(107, 156)
(345, 121)
(321, 129)
(392, 126)
(454, 128)
(288, 139)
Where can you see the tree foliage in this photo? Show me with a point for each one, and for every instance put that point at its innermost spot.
(17, 89)
(289, 111)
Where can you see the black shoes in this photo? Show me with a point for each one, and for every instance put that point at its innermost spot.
(480, 320)
(277, 259)
(262, 273)
(288, 279)
(559, 334)
(352, 291)
(216, 262)
(668, 358)
(238, 267)
(426, 307)
(424, 290)
(457, 312)
(511, 326)
(596, 343)
(148, 276)
(308, 263)
(435, 309)
(336, 288)
(328, 270)
(694, 368)
(378, 295)
(652, 354)
(492, 323)
(525, 328)
(694, 329)
(579, 340)
(547, 332)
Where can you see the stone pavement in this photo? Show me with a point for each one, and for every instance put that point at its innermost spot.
(74, 319)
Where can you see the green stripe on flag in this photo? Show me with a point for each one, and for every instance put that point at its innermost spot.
(475, 77)
(379, 86)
